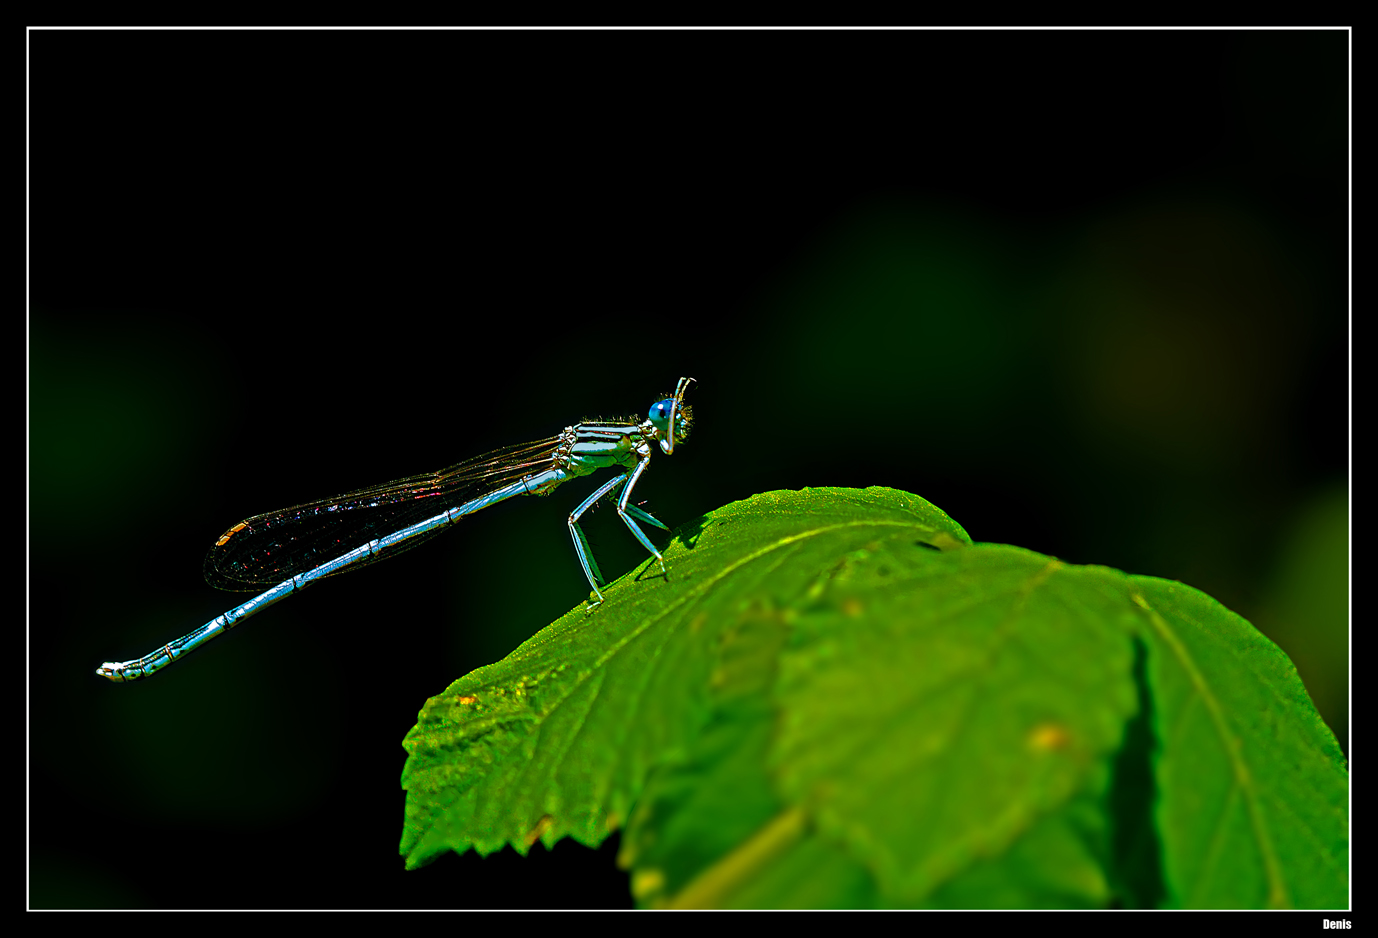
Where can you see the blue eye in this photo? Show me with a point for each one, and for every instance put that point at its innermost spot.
(660, 413)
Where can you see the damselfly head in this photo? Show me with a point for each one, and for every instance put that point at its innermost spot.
(673, 412)
(683, 417)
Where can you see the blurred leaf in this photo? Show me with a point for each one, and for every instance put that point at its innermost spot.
(1306, 608)
(820, 709)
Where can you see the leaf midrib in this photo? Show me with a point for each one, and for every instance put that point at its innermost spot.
(1277, 891)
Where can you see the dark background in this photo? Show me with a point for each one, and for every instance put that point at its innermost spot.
(1085, 291)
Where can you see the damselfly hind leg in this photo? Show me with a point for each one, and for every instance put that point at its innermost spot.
(581, 544)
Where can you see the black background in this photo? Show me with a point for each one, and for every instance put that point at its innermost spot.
(1085, 291)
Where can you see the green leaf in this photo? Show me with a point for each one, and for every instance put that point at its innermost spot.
(1254, 789)
(837, 700)
(558, 738)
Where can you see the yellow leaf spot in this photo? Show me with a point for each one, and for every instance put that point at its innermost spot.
(1049, 736)
(646, 883)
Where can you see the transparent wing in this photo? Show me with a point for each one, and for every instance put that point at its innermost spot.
(266, 549)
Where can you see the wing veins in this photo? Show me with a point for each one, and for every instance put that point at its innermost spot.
(268, 548)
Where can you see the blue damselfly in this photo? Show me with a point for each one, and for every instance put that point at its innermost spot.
(296, 546)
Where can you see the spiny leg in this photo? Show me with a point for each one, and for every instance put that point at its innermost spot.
(581, 544)
(625, 512)
(649, 519)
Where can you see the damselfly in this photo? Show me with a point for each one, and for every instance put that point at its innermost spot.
(294, 547)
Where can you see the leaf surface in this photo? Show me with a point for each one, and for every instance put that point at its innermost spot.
(837, 699)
